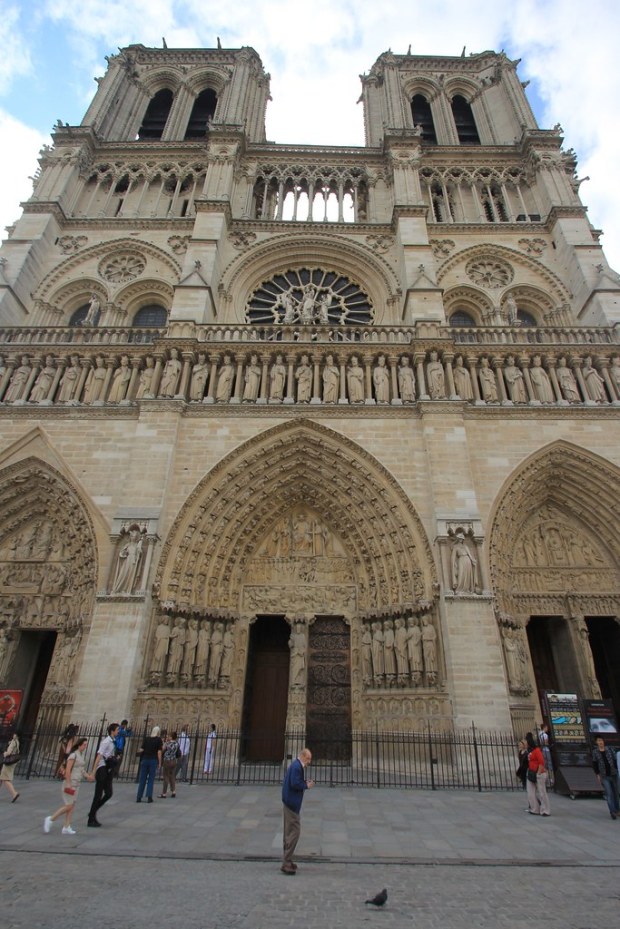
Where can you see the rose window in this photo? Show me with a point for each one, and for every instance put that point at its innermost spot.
(121, 268)
(310, 297)
(489, 273)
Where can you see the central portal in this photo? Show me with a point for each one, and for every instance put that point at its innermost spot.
(328, 708)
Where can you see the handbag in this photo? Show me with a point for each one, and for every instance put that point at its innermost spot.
(531, 776)
(70, 791)
(11, 759)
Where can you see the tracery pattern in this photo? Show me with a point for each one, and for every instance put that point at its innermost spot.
(310, 296)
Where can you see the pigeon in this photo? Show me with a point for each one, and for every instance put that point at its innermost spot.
(379, 899)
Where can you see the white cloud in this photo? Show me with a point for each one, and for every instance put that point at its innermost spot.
(19, 145)
(15, 59)
(315, 50)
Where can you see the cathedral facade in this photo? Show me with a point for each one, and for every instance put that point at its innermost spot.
(306, 437)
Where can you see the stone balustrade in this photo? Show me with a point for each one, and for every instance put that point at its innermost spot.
(353, 375)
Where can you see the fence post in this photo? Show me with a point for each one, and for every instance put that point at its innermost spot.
(430, 758)
(377, 743)
(196, 737)
(33, 748)
(473, 729)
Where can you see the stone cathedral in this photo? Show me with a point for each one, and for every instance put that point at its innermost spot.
(313, 438)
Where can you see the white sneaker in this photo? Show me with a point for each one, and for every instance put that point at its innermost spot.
(67, 830)
(47, 824)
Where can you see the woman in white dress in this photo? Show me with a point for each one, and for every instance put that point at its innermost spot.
(210, 751)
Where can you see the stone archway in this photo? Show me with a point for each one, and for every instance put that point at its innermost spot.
(48, 559)
(555, 563)
(299, 522)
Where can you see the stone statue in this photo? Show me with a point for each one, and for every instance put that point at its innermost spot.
(488, 384)
(541, 385)
(95, 381)
(429, 650)
(303, 376)
(400, 647)
(215, 657)
(225, 381)
(381, 381)
(4, 648)
(355, 381)
(202, 651)
(189, 653)
(120, 381)
(128, 563)
(160, 653)
(514, 381)
(436, 378)
(297, 645)
(462, 380)
(414, 649)
(595, 385)
(614, 373)
(92, 314)
(228, 650)
(307, 304)
(377, 654)
(567, 382)
(511, 653)
(277, 380)
(511, 310)
(69, 380)
(406, 381)
(389, 656)
(43, 382)
(19, 381)
(463, 566)
(177, 647)
(251, 379)
(331, 381)
(290, 309)
(145, 381)
(325, 301)
(366, 643)
(170, 377)
(200, 372)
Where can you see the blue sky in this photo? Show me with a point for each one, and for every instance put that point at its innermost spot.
(315, 51)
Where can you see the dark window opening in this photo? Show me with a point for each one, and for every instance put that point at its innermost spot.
(156, 115)
(79, 316)
(201, 115)
(422, 116)
(152, 316)
(464, 121)
(460, 318)
(526, 319)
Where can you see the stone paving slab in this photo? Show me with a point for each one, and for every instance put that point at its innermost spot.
(362, 825)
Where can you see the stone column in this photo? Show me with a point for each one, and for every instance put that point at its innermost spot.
(210, 398)
(393, 363)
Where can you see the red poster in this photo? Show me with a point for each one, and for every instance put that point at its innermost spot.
(10, 702)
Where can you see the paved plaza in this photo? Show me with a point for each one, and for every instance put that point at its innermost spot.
(209, 859)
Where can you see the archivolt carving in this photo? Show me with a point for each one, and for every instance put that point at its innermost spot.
(516, 259)
(554, 530)
(94, 255)
(356, 506)
(361, 264)
(48, 560)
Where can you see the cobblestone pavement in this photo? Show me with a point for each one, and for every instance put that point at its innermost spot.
(209, 859)
(148, 894)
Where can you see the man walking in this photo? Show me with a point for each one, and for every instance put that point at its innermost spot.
(103, 769)
(293, 788)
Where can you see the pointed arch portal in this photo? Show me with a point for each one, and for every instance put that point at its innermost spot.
(555, 569)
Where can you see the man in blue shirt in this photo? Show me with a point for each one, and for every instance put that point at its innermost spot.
(293, 788)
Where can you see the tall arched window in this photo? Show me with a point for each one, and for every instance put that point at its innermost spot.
(422, 116)
(464, 121)
(156, 115)
(153, 316)
(461, 319)
(201, 115)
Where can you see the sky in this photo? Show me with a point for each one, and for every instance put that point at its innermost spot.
(315, 51)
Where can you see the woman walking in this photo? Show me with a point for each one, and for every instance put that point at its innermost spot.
(536, 779)
(75, 771)
(6, 774)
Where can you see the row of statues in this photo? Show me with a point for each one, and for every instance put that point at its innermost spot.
(399, 652)
(353, 380)
(194, 652)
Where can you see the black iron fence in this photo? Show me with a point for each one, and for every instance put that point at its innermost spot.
(467, 759)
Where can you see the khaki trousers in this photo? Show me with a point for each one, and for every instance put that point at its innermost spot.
(291, 833)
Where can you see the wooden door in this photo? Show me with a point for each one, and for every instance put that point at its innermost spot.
(328, 712)
(266, 699)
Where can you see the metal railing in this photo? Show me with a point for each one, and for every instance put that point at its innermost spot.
(467, 759)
